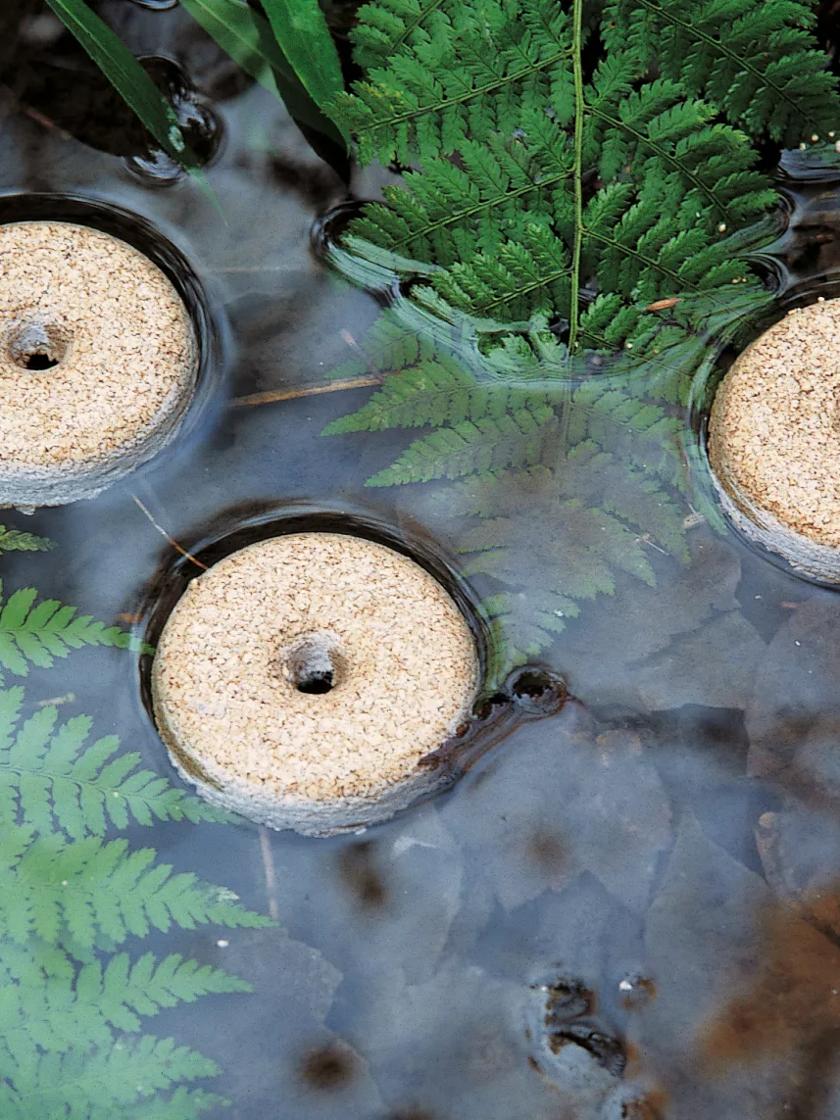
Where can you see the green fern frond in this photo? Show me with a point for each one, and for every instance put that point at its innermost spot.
(66, 998)
(758, 63)
(490, 444)
(384, 27)
(447, 212)
(554, 537)
(40, 1010)
(183, 1104)
(52, 776)
(15, 540)
(36, 633)
(507, 231)
(84, 893)
(463, 78)
(101, 1083)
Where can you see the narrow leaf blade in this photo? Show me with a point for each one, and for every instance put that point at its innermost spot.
(303, 35)
(126, 75)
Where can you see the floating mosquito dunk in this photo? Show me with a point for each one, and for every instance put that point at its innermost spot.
(301, 680)
(773, 439)
(98, 361)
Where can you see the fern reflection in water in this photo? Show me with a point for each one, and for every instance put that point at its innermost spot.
(577, 217)
(71, 1005)
(16, 540)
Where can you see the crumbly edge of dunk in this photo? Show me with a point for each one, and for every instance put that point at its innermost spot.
(28, 486)
(808, 557)
(307, 816)
(788, 491)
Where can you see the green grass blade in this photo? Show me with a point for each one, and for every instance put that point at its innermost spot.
(244, 35)
(301, 30)
(126, 74)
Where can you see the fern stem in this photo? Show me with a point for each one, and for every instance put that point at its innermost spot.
(270, 874)
(546, 281)
(178, 548)
(272, 396)
(577, 248)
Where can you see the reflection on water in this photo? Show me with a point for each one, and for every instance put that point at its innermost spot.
(627, 909)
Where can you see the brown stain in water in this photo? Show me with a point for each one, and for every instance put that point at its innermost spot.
(652, 1106)
(792, 1002)
(328, 1068)
(547, 851)
(359, 872)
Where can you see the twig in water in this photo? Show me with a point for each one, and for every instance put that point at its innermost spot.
(270, 874)
(272, 396)
(187, 555)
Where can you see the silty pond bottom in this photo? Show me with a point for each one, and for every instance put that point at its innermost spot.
(627, 909)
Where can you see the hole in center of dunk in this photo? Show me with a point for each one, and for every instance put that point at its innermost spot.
(313, 664)
(37, 346)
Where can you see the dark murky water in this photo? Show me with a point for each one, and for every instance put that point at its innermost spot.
(628, 910)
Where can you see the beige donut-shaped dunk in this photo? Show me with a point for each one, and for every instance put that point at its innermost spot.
(98, 361)
(774, 434)
(301, 681)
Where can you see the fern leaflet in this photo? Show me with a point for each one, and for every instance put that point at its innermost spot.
(101, 1083)
(561, 533)
(756, 62)
(82, 893)
(15, 540)
(71, 1008)
(63, 1011)
(51, 776)
(36, 633)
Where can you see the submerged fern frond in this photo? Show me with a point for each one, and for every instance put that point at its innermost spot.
(490, 444)
(51, 775)
(84, 893)
(561, 533)
(578, 228)
(36, 633)
(102, 1083)
(57, 1010)
(16, 540)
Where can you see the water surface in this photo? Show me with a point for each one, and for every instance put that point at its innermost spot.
(630, 909)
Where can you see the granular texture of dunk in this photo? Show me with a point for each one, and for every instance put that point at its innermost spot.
(775, 425)
(98, 361)
(312, 670)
